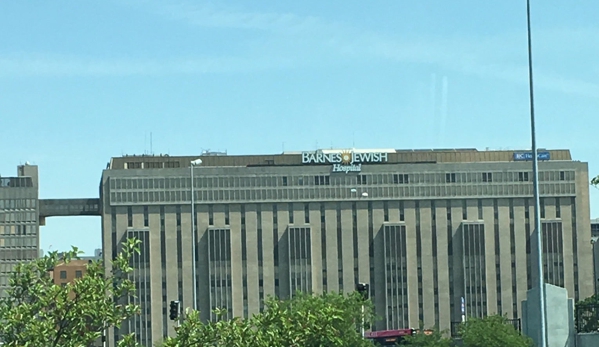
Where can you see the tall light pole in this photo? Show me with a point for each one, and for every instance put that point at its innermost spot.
(194, 246)
(362, 288)
(535, 179)
(594, 240)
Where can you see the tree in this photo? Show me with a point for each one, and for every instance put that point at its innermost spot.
(595, 181)
(492, 331)
(37, 312)
(587, 314)
(434, 339)
(306, 321)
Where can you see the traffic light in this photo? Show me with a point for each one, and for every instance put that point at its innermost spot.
(174, 312)
(364, 289)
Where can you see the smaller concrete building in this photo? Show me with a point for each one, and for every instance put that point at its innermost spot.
(68, 272)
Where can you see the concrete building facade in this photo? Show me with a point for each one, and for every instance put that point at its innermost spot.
(19, 227)
(428, 230)
(65, 273)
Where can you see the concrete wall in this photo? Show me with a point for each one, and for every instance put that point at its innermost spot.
(587, 340)
(560, 316)
(582, 340)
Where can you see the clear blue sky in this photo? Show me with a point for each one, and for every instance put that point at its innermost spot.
(83, 81)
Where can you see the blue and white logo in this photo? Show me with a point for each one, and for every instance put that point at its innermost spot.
(528, 156)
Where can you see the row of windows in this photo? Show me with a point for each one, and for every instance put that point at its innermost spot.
(294, 210)
(8, 266)
(19, 229)
(4, 281)
(18, 241)
(16, 182)
(19, 254)
(17, 204)
(448, 191)
(63, 274)
(152, 165)
(73, 207)
(18, 217)
(336, 180)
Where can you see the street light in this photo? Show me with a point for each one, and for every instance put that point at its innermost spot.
(535, 178)
(193, 234)
(364, 290)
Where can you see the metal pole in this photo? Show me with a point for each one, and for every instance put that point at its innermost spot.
(362, 326)
(595, 279)
(193, 241)
(535, 178)
(465, 297)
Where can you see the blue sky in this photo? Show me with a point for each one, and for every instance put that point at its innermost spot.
(83, 81)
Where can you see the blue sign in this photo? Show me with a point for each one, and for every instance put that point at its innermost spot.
(528, 156)
(463, 306)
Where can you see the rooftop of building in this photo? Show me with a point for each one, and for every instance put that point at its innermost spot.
(393, 156)
(23, 178)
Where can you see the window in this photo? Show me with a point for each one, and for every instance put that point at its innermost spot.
(307, 213)
(78, 274)
(401, 179)
(562, 176)
(63, 275)
(172, 164)
(480, 209)
(129, 216)
(523, 176)
(133, 165)
(146, 217)
(386, 211)
(361, 179)
(487, 177)
(402, 216)
(450, 178)
(322, 180)
(227, 218)
(284, 181)
(542, 209)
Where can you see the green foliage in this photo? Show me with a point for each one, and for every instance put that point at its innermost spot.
(593, 299)
(492, 331)
(37, 312)
(595, 181)
(434, 339)
(306, 321)
(587, 318)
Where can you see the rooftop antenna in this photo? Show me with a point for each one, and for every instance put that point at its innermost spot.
(353, 139)
(444, 108)
(283, 146)
(151, 149)
(434, 104)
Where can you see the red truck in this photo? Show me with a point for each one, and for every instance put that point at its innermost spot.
(388, 337)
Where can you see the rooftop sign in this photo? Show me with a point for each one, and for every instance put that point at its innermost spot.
(528, 156)
(344, 161)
